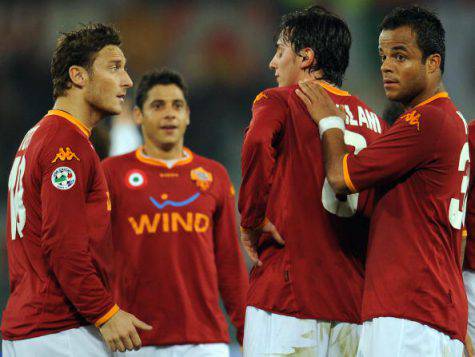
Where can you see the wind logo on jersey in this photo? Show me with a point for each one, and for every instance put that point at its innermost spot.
(202, 178)
(135, 179)
(63, 178)
(64, 155)
(412, 118)
(171, 203)
(260, 96)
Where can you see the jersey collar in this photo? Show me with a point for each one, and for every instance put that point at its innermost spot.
(71, 119)
(434, 97)
(140, 155)
(333, 89)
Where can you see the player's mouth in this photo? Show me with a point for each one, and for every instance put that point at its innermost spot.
(390, 83)
(121, 97)
(168, 128)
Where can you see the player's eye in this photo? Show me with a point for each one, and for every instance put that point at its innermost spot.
(179, 105)
(400, 58)
(382, 58)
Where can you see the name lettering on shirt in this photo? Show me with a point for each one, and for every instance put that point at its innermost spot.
(365, 118)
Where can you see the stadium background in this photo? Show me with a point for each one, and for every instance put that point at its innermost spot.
(221, 47)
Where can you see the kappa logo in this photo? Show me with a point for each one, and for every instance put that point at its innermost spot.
(63, 178)
(201, 177)
(64, 155)
(412, 118)
(260, 96)
(135, 179)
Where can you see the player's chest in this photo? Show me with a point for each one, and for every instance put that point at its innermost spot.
(173, 192)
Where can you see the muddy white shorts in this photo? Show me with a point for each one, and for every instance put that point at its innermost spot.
(268, 334)
(77, 342)
(392, 337)
(198, 350)
(469, 282)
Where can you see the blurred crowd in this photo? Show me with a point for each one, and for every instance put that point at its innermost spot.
(221, 47)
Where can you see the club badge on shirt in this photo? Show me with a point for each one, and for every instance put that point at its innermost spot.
(63, 178)
(201, 177)
(135, 179)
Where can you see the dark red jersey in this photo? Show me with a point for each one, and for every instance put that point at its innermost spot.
(316, 275)
(413, 268)
(176, 247)
(58, 232)
(469, 260)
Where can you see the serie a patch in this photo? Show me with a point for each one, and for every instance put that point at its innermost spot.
(63, 178)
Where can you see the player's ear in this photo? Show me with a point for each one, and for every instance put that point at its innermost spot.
(433, 62)
(308, 57)
(78, 76)
(138, 116)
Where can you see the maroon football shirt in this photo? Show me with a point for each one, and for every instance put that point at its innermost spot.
(319, 272)
(58, 232)
(413, 266)
(176, 247)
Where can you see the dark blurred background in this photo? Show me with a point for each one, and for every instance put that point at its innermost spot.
(221, 47)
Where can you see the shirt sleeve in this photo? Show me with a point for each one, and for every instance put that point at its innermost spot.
(259, 153)
(408, 144)
(65, 239)
(232, 273)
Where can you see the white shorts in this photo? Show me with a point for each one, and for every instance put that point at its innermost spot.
(269, 334)
(77, 342)
(469, 282)
(389, 337)
(200, 350)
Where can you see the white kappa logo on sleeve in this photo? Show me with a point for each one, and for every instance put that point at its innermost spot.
(63, 178)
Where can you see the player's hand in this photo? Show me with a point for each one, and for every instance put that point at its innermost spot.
(250, 238)
(469, 352)
(318, 102)
(120, 332)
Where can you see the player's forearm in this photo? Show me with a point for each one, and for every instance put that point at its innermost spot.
(257, 163)
(334, 151)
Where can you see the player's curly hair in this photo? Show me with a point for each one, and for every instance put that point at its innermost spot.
(163, 76)
(79, 48)
(426, 25)
(326, 34)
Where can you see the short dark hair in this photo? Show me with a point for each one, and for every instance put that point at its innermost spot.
(425, 24)
(163, 76)
(79, 48)
(326, 34)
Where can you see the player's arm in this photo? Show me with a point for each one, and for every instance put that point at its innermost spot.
(232, 273)
(402, 148)
(259, 153)
(65, 238)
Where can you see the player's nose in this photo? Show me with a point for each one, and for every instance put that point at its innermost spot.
(127, 81)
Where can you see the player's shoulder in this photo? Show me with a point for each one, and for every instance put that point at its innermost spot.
(119, 160)
(273, 95)
(213, 166)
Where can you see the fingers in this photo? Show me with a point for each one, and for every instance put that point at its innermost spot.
(250, 249)
(119, 346)
(270, 228)
(140, 324)
(134, 336)
(127, 342)
(306, 100)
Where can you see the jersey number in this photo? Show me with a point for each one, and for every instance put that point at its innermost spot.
(329, 199)
(15, 190)
(457, 216)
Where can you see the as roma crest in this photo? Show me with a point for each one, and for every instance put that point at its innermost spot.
(201, 177)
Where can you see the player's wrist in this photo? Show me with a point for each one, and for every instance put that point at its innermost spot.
(250, 229)
(107, 316)
(330, 122)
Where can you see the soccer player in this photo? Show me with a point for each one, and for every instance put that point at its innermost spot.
(175, 239)
(414, 302)
(58, 226)
(305, 293)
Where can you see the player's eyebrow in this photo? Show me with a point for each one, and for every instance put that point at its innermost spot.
(399, 48)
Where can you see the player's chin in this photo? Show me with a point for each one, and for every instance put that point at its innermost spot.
(392, 95)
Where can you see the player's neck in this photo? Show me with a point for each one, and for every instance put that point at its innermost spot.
(429, 92)
(163, 153)
(79, 110)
